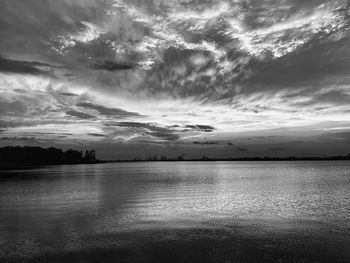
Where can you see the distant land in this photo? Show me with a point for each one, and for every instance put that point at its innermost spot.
(265, 158)
(13, 156)
(16, 156)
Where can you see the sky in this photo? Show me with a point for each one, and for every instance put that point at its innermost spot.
(133, 78)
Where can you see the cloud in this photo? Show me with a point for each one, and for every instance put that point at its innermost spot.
(241, 69)
(112, 66)
(97, 135)
(90, 33)
(20, 122)
(115, 112)
(80, 115)
(131, 124)
(150, 129)
(206, 143)
(284, 37)
(12, 107)
(329, 97)
(17, 138)
(68, 94)
(163, 133)
(201, 128)
(23, 67)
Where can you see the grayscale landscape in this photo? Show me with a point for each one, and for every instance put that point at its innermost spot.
(175, 131)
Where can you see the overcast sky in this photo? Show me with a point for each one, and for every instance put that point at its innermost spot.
(138, 77)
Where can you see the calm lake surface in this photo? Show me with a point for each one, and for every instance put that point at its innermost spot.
(177, 212)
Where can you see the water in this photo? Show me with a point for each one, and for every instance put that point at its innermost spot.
(177, 212)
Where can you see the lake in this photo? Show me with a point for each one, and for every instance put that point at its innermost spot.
(177, 212)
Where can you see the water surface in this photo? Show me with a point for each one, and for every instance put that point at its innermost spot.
(177, 212)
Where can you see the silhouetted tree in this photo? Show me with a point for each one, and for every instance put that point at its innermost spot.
(72, 156)
(205, 157)
(181, 157)
(90, 155)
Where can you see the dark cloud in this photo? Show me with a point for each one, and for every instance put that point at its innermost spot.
(115, 112)
(79, 114)
(68, 94)
(163, 133)
(111, 66)
(206, 143)
(205, 128)
(97, 135)
(23, 67)
(132, 124)
(51, 133)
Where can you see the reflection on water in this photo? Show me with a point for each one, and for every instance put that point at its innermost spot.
(214, 211)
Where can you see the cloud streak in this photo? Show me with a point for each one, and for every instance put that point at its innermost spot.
(116, 112)
(23, 67)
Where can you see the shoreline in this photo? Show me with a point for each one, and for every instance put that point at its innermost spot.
(13, 166)
(233, 160)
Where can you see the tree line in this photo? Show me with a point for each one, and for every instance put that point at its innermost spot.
(38, 155)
